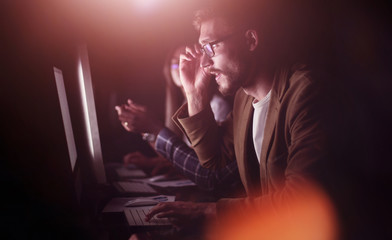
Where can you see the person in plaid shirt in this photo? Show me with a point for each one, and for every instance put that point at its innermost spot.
(174, 153)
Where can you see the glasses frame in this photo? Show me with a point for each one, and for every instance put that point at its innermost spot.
(210, 46)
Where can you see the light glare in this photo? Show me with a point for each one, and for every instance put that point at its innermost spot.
(145, 5)
(85, 107)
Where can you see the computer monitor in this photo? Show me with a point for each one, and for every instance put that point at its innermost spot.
(90, 116)
(58, 75)
(69, 134)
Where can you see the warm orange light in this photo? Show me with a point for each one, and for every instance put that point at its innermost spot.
(310, 217)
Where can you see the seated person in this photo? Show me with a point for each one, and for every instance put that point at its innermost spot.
(275, 132)
(174, 154)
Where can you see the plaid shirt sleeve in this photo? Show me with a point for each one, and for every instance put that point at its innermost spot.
(185, 160)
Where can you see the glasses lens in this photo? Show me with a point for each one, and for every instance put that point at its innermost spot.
(208, 50)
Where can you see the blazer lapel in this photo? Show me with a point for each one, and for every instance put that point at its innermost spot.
(241, 138)
(269, 128)
(279, 88)
(269, 132)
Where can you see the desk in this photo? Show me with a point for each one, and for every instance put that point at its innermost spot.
(113, 221)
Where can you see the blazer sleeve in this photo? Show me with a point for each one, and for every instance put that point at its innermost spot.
(213, 144)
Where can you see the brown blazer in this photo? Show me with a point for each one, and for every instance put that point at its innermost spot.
(293, 145)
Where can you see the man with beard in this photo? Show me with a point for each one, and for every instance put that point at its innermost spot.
(275, 131)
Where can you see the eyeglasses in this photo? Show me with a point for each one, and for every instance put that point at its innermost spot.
(208, 48)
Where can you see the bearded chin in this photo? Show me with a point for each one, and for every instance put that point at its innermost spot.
(224, 91)
(227, 90)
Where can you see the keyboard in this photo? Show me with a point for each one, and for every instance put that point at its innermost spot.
(136, 217)
(134, 187)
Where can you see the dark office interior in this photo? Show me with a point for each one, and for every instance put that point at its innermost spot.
(127, 42)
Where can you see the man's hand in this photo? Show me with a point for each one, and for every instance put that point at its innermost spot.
(195, 80)
(183, 213)
(157, 165)
(144, 236)
(135, 118)
(142, 161)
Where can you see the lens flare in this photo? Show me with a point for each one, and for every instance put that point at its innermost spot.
(307, 217)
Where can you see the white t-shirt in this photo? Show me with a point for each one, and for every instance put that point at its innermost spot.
(220, 107)
(259, 119)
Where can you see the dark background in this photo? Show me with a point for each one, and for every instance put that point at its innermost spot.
(127, 46)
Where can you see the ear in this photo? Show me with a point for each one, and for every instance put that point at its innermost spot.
(252, 39)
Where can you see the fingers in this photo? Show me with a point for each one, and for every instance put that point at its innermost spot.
(139, 160)
(127, 121)
(168, 214)
(160, 208)
(185, 58)
(118, 109)
(190, 52)
(135, 107)
(126, 126)
(121, 110)
(198, 50)
(193, 51)
(129, 107)
(128, 116)
(141, 236)
(124, 117)
(133, 157)
(189, 63)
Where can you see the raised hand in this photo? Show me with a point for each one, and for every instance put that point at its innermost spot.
(135, 118)
(195, 79)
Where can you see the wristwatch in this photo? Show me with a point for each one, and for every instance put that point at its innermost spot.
(149, 137)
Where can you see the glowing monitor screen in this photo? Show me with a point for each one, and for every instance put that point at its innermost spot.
(90, 115)
(58, 75)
